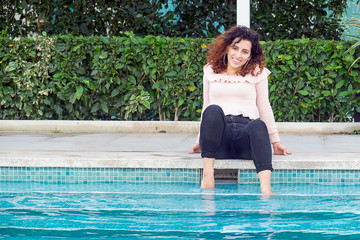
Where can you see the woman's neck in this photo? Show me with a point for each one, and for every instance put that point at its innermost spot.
(231, 71)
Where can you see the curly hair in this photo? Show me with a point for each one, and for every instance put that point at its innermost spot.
(218, 49)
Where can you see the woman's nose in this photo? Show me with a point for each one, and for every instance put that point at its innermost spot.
(238, 54)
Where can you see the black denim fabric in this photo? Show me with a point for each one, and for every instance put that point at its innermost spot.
(235, 137)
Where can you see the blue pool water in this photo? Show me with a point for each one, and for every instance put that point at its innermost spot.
(177, 211)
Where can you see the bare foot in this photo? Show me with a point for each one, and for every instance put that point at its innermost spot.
(266, 192)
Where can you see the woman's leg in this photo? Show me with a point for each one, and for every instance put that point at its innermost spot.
(211, 140)
(265, 182)
(208, 181)
(255, 144)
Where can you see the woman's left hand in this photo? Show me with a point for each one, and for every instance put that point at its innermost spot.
(280, 149)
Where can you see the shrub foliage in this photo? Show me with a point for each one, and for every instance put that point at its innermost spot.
(274, 19)
(159, 78)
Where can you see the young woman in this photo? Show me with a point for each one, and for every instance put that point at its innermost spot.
(237, 120)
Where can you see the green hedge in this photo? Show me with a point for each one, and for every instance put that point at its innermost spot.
(159, 78)
(273, 19)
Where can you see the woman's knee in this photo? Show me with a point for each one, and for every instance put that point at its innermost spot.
(257, 128)
(213, 117)
(213, 110)
(213, 113)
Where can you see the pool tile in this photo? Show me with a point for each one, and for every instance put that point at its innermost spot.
(138, 175)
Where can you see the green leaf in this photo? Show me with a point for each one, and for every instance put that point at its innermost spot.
(61, 96)
(339, 47)
(145, 103)
(95, 107)
(115, 92)
(79, 92)
(58, 109)
(343, 94)
(181, 101)
(47, 102)
(104, 107)
(340, 84)
(354, 73)
(157, 84)
(134, 40)
(191, 88)
(104, 39)
(11, 67)
(132, 79)
(76, 48)
(103, 55)
(272, 88)
(72, 98)
(303, 92)
(326, 93)
(94, 72)
(304, 110)
(171, 74)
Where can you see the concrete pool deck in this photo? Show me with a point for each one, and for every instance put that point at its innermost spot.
(114, 144)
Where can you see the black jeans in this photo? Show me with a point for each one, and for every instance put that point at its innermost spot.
(234, 137)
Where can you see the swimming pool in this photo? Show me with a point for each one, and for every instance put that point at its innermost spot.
(41, 210)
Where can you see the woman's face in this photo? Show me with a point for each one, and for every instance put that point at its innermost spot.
(238, 54)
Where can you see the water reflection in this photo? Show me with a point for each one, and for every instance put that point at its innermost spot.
(208, 202)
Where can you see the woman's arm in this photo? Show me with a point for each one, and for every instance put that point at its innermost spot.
(206, 100)
(267, 115)
(264, 107)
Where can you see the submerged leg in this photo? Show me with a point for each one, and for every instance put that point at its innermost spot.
(256, 146)
(265, 180)
(211, 137)
(208, 180)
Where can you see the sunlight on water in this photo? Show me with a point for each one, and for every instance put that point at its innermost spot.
(178, 211)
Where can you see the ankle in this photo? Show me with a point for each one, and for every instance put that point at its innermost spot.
(266, 189)
(208, 181)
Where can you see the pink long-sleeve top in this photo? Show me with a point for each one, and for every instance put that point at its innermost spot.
(240, 95)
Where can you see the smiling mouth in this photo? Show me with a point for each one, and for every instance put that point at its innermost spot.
(236, 61)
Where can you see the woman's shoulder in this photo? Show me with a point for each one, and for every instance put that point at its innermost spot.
(262, 73)
(259, 75)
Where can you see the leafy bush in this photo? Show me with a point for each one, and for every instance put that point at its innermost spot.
(274, 19)
(311, 81)
(159, 78)
(66, 77)
(354, 22)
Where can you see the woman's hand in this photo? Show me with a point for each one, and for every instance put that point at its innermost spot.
(195, 149)
(280, 149)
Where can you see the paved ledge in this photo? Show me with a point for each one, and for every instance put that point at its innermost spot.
(300, 161)
(170, 150)
(67, 126)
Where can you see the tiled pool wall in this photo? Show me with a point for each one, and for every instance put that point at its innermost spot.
(159, 175)
(98, 175)
(304, 176)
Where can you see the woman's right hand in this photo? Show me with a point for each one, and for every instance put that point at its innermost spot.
(195, 149)
(280, 149)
